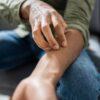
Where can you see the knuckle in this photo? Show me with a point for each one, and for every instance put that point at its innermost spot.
(54, 12)
(57, 25)
(47, 14)
(44, 26)
(35, 29)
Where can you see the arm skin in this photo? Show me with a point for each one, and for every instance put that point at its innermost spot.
(41, 84)
(62, 58)
(53, 64)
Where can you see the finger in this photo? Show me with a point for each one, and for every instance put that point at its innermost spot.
(59, 29)
(62, 20)
(48, 34)
(38, 37)
(60, 35)
(64, 24)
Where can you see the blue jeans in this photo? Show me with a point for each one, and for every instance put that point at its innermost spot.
(81, 81)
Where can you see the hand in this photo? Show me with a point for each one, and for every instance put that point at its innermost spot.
(41, 16)
(34, 89)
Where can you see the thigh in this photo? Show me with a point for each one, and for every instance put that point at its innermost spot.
(80, 81)
(14, 50)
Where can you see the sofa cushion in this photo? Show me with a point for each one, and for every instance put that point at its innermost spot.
(95, 22)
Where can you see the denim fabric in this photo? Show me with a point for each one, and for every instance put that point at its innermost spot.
(79, 82)
(15, 51)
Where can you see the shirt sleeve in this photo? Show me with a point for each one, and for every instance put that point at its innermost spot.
(78, 14)
(10, 10)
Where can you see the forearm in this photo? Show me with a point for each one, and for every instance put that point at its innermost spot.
(78, 14)
(53, 64)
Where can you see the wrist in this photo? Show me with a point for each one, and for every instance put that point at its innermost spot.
(25, 10)
(49, 72)
(41, 80)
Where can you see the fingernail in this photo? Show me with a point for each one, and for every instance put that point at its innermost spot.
(56, 47)
(64, 43)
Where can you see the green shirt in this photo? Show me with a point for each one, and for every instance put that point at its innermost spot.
(77, 14)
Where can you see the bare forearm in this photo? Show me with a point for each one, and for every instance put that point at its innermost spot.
(53, 64)
(41, 83)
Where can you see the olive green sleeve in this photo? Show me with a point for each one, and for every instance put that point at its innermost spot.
(78, 14)
(10, 9)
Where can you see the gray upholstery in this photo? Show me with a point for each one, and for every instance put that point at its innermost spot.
(94, 49)
(4, 25)
(10, 78)
(95, 22)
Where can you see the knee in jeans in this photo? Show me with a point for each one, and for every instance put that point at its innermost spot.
(78, 84)
(80, 81)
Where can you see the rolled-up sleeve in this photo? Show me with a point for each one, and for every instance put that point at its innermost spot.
(10, 10)
(78, 14)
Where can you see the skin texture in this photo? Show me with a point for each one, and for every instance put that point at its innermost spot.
(41, 84)
(41, 16)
